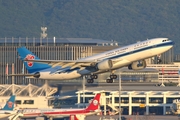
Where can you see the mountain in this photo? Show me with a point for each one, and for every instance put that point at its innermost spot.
(125, 21)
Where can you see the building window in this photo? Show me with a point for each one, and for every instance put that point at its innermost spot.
(18, 101)
(28, 102)
(155, 100)
(138, 100)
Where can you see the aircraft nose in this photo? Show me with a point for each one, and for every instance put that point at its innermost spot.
(172, 42)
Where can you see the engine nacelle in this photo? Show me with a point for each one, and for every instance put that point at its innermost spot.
(138, 65)
(104, 65)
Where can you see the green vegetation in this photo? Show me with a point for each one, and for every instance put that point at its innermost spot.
(125, 21)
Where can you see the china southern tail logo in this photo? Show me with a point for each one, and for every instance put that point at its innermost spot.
(30, 57)
(10, 104)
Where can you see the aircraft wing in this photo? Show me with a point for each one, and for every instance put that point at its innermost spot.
(65, 63)
(72, 63)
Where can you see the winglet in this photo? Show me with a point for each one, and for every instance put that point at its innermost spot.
(10, 103)
(94, 105)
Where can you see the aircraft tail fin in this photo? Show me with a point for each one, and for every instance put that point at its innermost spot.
(10, 103)
(77, 117)
(94, 105)
(32, 67)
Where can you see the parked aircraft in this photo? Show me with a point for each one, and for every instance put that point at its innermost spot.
(133, 56)
(8, 109)
(93, 108)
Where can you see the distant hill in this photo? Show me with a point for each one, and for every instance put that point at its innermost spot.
(125, 21)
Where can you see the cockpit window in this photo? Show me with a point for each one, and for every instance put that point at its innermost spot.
(165, 40)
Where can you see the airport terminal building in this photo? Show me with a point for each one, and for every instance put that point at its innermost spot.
(133, 102)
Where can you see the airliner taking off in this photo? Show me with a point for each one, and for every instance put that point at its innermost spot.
(8, 109)
(93, 108)
(133, 56)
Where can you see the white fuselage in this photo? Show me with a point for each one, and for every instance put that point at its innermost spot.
(32, 113)
(124, 56)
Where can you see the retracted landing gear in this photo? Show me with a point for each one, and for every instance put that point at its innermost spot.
(92, 77)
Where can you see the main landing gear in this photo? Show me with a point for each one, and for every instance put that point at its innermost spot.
(94, 76)
(112, 77)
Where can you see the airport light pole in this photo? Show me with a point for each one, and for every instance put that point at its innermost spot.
(83, 85)
(119, 94)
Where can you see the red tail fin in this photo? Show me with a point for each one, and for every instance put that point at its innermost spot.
(73, 117)
(94, 105)
(77, 117)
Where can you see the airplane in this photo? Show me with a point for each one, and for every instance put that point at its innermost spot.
(132, 56)
(93, 108)
(8, 109)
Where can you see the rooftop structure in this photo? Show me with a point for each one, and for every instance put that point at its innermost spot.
(54, 42)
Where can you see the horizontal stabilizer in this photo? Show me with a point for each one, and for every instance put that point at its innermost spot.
(7, 112)
(21, 75)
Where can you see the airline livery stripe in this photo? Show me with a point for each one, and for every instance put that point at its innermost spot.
(142, 49)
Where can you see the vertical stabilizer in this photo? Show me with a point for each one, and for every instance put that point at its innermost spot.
(94, 105)
(10, 103)
(32, 67)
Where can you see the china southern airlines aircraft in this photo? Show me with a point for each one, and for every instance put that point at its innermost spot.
(133, 56)
(93, 108)
(8, 109)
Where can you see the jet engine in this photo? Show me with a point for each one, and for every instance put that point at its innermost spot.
(138, 65)
(104, 65)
